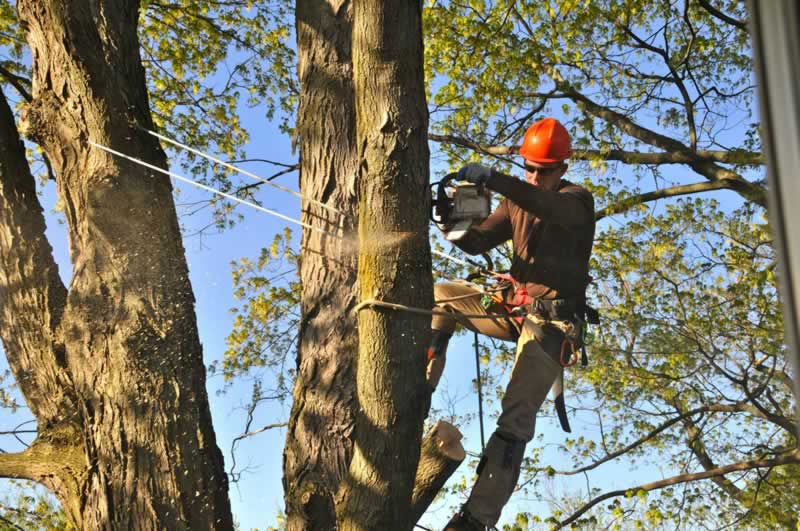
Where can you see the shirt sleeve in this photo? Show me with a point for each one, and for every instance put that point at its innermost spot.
(570, 206)
(490, 233)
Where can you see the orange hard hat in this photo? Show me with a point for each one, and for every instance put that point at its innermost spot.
(546, 141)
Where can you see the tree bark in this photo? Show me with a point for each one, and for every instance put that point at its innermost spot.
(440, 455)
(394, 263)
(119, 356)
(32, 301)
(319, 438)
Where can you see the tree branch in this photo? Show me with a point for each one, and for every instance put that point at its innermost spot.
(710, 170)
(674, 191)
(32, 296)
(698, 448)
(613, 455)
(736, 156)
(17, 82)
(55, 458)
(722, 16)
(791, 458)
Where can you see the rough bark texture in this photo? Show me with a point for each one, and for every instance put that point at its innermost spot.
(113, 370)
(394, 263)
(439, 457)
(32, 301)
(319, 439)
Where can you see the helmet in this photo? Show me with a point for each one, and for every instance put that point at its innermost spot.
(546, 141)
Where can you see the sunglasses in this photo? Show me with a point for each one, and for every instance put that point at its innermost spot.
(543, 172)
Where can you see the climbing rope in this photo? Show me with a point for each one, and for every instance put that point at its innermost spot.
(467, 262)
(212, 190)
(240, 170)
(480, 390)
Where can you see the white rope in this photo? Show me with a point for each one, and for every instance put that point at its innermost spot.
(279, 187)
(248, 203)
(212, 190)
(452, 258)
(242, 171)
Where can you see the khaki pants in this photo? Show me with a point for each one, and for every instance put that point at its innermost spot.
(536, 367)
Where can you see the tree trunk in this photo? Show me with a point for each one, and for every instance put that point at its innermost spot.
(394, 263)
(114, 370)
(319, 439)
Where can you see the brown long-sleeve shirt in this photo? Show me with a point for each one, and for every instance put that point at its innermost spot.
(552, 233)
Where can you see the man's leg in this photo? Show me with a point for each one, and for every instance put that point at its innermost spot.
(535, 369)
(459, 298)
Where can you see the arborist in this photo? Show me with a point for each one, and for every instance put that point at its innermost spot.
(550, 222)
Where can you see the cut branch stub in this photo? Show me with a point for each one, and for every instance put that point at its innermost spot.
(440, 455)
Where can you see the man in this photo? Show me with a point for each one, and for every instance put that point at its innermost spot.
(550, 222)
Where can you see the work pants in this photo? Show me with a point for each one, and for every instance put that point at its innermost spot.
(535, 369)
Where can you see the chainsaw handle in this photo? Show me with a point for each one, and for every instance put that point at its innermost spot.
(440, 204)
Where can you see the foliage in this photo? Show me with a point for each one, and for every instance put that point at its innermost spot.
(692, 334)
(28, 506)
(265, 326)
(206, 61)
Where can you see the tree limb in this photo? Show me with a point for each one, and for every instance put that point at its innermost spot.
(736, 156)
(710, 170)
(674, 191)
(32, 295)
(55, 458)
(17, 82)
(698, 448)
(722, 16)
(613, 455)
(792, 458)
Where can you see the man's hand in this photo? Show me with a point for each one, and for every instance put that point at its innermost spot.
(475, 173)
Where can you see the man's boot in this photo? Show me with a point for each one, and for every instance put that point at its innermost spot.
(436, 357)
(498, 472)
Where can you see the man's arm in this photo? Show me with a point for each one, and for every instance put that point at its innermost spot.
(490, 233)
(569, 207)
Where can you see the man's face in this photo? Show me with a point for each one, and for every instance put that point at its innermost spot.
(545, 176)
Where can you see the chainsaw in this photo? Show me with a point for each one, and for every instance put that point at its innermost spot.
(457, 205)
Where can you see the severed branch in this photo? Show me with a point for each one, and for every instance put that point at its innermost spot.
(791, 458)
(440, 455)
